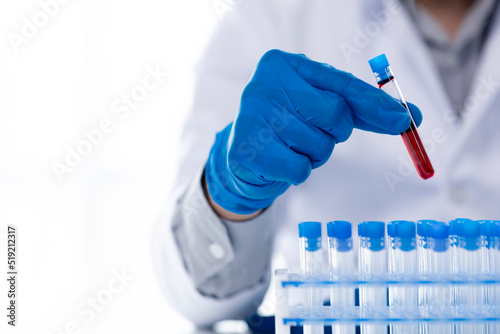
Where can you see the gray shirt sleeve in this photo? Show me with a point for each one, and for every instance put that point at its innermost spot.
(222, 257)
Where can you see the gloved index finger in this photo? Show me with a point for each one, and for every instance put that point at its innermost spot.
(368, 103)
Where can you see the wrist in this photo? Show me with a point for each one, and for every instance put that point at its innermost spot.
(229, 191)
(223, 213)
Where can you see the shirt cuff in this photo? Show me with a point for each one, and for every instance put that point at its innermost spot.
(221, 256)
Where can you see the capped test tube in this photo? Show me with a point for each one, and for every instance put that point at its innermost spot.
(469, 265)
(496, 271)
(487, 247)
(469, 248)
(387, 82)
(423, 268)
(341, 259)
(439, 296)
(487, 242)
(403, 300)
(311, 262)
(453, 226)
(372, 265)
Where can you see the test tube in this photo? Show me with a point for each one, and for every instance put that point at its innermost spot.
(469, 266)
(341, 258)
(487, 240)
(457, 265)
(455, 258)
(469, 243)
(311, 263)
(402, 266)
(496, 270)
(372, 266)
(439, 296)
(423, 270)
(387, 82)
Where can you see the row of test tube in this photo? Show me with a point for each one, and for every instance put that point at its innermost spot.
(460, 257)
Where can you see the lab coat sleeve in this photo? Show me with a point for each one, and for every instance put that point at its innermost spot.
(201, 287)
(218, 269)
(221, 257)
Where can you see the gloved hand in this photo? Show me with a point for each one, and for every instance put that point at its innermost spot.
(292, 113)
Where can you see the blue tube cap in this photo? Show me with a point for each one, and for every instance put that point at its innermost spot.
(405, 233)
(488, 232)
(380, 67)
(339, 229)
(423, 227)
(405, 229)
(471, 229)
(374, 234)
(439, 230)
(469, 235)
(457, 226)
(440, 233)
(371, 229)
(378, 63)
(310, 230)
(487, 228)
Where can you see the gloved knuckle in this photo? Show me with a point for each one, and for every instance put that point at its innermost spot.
(253, 89)
(345, 80)
(344, 134)
(302, 170)
(325, 145)
(330, 142)
(272, 54)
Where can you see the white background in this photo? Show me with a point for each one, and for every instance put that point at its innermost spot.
(75, 233)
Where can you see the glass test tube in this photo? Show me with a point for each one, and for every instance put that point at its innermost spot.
(341, 259)
(372, 265)
(456, 267)
(496, 271)
(311, 263)
(387, 82)
(469, 265)
(439, 296)
(402, 265)
(454, 264)
(423, 270)
(487, 238)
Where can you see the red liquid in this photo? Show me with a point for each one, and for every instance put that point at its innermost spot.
(417, 152)
(414, 145)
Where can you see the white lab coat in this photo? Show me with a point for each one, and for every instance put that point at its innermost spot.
(353, 185)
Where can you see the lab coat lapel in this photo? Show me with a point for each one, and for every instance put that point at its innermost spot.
(413, 54)
(485, 91)
(486, 85)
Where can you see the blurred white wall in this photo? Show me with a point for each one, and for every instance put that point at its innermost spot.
(65, 66)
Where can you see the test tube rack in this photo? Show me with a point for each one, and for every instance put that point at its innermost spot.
(290, 311)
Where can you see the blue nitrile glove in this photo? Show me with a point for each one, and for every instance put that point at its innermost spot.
(292, 113)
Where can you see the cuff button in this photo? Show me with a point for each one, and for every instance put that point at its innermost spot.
(217, 251)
